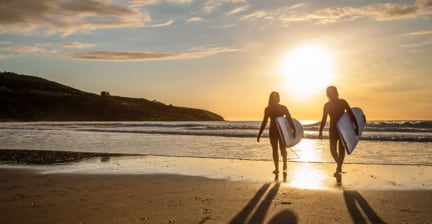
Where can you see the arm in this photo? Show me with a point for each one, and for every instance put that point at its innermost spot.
(351, 114)
(263, 124)
(290, 121)
(323, 121)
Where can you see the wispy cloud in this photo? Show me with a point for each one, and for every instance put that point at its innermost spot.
(167, 23)
(22, 49)
(256, 15)
(8, 51)
(419, 44)
(147, 56)
(238, 10)
(381, 12)
(66, 16)
(296, 6)
(421, 32)
(139, 3)
(210, 5)
(179, 1)
(194, 19)
(76, 45)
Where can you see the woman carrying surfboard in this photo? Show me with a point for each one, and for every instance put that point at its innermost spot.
(335, 108)
(272, 111)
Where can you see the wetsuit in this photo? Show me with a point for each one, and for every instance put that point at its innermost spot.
(335, 110)
(273, 112)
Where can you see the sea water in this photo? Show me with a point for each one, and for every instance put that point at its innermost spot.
(383, 142)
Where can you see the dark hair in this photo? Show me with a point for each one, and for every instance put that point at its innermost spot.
(332, 92)
(274, 98)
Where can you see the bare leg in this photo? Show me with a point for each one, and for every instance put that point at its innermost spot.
(333, 150)
(274, 144)
(341, 150)
(284, 154)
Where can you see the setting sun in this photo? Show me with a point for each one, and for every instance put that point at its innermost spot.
(307, 70)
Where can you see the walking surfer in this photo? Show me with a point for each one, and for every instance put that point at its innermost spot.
(272, 111)
(335, 108)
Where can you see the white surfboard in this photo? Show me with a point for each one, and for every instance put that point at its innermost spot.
(285, 131)
(345, 128)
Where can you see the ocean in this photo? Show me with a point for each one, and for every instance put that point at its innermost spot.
(383, 142)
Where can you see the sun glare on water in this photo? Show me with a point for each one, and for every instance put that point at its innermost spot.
(307, 70)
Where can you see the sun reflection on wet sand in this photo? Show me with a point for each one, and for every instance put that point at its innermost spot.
(307, 176)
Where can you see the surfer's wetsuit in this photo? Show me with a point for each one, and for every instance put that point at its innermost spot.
(272, 112)
(335, 109)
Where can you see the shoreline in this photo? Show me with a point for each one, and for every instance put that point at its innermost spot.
(58, 157)
(301, 175)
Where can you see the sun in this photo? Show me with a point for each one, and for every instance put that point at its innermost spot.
(307, 70)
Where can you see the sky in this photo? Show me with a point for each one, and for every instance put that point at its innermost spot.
(226, 56)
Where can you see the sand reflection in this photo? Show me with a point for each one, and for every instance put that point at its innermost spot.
(307, 176)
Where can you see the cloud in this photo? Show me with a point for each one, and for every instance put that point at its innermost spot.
(380, 12)
(296, 6)
(147, 56)
(167, 23)
(7, 51)
(76, 45)
(194, 19)
(22, 49)
(66, 16)
(256, 15)
(419, 44)
(238, 10)
(139, 3)
(179, 1)
(210, 5)
(421, 32)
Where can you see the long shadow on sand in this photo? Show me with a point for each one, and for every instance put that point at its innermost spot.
(261, 210)
(356, 204)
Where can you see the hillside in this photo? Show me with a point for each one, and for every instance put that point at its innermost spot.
(30, 98)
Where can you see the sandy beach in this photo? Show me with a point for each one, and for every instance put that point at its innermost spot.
(154, 189)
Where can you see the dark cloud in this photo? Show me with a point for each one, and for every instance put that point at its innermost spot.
(66, 16)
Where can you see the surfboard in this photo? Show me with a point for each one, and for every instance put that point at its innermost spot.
(345, 128)
(285, 131)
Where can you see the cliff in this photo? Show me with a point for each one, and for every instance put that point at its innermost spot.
(30, 98)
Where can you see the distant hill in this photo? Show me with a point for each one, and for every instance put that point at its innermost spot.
(30, 98)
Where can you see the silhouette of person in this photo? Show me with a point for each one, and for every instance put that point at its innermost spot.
(272, 111)
(335, 108)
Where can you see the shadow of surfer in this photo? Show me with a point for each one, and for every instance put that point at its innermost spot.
(355, 204)
(257, 208)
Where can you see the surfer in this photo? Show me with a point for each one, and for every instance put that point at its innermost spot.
(272, 111)
(336, 107)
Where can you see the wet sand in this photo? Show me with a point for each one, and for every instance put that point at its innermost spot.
(196, 190)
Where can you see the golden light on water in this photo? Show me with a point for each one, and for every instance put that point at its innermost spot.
(307, 69)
